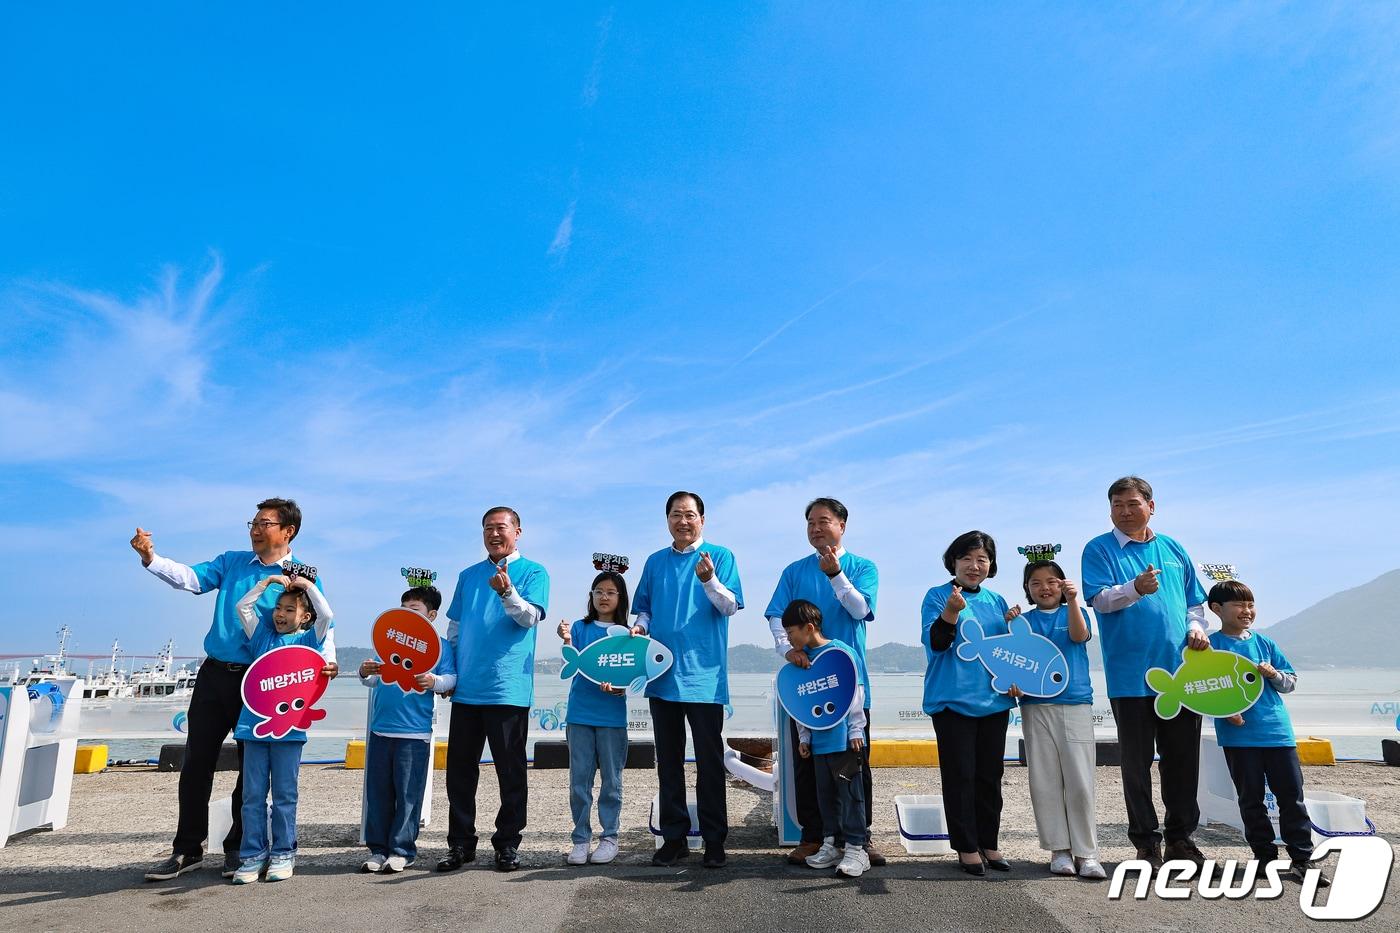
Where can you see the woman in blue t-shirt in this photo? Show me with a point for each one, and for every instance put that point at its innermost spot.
(596, 727)
(969, 717)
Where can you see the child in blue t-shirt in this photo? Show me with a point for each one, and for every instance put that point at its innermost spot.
(837, 754)
(398, 747)
(301, 617)
(596, 727)
(1259, 745)
(1059, 731)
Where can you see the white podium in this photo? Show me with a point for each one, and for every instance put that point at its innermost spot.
(38, 741)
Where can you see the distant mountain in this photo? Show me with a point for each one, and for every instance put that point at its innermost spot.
(752, 659)
(894, 658)
(1353, 628)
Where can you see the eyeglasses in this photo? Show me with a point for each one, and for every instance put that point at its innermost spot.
(264, 525)
(605, 594)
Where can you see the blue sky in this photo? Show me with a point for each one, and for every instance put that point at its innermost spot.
(958, 265)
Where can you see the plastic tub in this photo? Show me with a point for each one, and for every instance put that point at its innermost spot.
(692, 838)
(923, 829)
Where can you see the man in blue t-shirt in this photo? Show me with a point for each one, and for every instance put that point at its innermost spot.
(491, 629)
(1143, 587)
(217, 700)
(684, 599)
(843, 586)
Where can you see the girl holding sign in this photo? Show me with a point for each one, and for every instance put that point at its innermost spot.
(1059, 731)
(272, 756)
(969, 717)
(597, 727)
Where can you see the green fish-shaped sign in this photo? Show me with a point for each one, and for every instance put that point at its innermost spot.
(1209, 682)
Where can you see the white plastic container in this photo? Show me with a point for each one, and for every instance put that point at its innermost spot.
(923, 828)
(1332, 814)
(692, 838)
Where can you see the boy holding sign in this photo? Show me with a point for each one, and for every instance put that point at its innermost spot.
(1259, 746)
(272, 761)
(401, 737)
(837, 752)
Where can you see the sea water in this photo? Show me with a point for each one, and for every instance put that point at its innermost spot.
(1355, 709)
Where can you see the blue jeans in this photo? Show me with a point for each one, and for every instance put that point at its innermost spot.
(270, 766)
(596, 749)
(395, 770)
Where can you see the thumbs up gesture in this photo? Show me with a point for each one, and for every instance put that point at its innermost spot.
(1146, 582)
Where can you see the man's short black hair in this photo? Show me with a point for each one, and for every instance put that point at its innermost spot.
(288, 512)
(800, 612)
(429, 596)
(515, 516)
(965, 544)
(699, 503)
(827, 502)
(1130, 484)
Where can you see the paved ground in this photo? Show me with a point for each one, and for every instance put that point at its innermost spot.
(87, 876)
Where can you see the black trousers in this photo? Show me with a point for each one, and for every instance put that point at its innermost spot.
(804, 781)
(215, 706)
(1178, 744)
(970, 752)
(471, 728)
(1249, 768)
(668, 721)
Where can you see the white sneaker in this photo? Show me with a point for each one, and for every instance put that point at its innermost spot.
(1090, 868)
(395, 863)
(826, 856)
(578, 855)
(374, 864)
(606, 851)
(281, 867)
(854, 863)
(1061, 863)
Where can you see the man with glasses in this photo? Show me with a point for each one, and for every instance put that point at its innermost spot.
(218, 698)
(684, 599)
(491, 626)
(843, 586)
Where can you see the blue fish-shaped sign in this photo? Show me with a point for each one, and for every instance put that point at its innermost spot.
(618, 658)
(1020, 658)
(819, 696)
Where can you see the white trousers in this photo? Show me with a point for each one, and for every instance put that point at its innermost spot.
(1060, 754)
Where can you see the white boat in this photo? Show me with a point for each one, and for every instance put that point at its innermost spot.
(161, 680)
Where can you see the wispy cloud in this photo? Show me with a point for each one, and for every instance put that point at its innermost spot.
(589, 435)
(595, 70)
(810, 308)
(563, 234)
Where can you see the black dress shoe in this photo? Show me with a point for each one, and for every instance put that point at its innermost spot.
(973, 868)
(174, 866)
(1000, 864)
(507, 859)
(671, 852)
(714, 856)
(457, 856)
(1152, 855)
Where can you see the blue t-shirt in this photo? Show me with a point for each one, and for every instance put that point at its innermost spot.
(394, 712)
(1054, 625)
(837, 738)
(496, 656)
(1266, 723)
(805, 579)
(265, 638)
(685, 621)
(233, 574)
(588, 704)
(950, 682)
(1152, 631)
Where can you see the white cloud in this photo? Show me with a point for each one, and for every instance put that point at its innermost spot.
(563, 234)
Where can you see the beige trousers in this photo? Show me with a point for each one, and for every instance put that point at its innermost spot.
(1060, 754)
